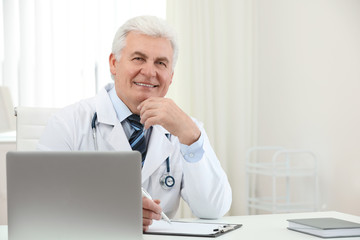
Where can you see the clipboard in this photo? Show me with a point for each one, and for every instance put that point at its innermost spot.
(191, 229)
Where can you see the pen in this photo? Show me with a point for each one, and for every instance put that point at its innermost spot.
(147, 195)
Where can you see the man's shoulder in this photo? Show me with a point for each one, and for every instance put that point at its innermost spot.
(81, 109)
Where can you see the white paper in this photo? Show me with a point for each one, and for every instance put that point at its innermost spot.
(189, 228)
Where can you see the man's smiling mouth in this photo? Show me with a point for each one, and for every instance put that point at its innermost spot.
(145, 85)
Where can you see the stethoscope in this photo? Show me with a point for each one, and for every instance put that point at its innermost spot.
(166, 181)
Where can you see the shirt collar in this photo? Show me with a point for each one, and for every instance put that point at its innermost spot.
(122, 111)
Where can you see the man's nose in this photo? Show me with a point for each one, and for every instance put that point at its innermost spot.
(148, 69)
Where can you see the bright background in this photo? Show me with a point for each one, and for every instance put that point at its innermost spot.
(256, 72)
(55, 52)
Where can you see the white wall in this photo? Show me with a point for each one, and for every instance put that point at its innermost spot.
(307, 68)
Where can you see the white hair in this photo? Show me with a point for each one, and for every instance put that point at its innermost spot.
(148, 25)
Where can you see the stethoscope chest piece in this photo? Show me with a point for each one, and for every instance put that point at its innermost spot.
(167, 181)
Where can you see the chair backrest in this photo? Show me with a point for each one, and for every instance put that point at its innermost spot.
(30, 123)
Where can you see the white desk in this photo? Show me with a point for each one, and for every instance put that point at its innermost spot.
(272, 226)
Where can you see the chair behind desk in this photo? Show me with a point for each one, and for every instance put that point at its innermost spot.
(30, 123)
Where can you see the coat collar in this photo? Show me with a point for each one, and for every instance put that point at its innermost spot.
(104, 108)
(108, 125)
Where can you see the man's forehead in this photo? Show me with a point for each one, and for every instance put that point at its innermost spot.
(148, 46)
(144, 55)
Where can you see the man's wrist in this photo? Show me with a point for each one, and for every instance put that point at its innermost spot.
(193, 152)
(190, 136)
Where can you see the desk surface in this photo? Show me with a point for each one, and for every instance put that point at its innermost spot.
(271, 226)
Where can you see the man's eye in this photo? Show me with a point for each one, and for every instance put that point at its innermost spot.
(162, 63)
(138, 59)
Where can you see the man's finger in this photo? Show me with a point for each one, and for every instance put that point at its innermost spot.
(151, 205)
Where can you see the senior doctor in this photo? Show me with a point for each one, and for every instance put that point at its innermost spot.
(142, 61)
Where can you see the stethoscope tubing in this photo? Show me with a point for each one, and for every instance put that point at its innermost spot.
(93, 127)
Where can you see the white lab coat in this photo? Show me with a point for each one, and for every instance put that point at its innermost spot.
(203, 184)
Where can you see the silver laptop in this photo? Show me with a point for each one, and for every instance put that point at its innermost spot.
(74, 195)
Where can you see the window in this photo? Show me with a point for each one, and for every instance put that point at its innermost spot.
(55, 52)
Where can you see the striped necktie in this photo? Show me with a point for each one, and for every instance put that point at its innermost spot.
(137, 139)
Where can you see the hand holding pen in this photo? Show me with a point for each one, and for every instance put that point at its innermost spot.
(151, 210)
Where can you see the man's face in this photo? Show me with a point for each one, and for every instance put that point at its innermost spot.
(144, 69)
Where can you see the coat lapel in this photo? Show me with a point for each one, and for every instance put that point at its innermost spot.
(109, 126)
(159, 149)
(117, 139)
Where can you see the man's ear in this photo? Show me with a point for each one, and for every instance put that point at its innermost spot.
(172, 75)
(112, 64)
